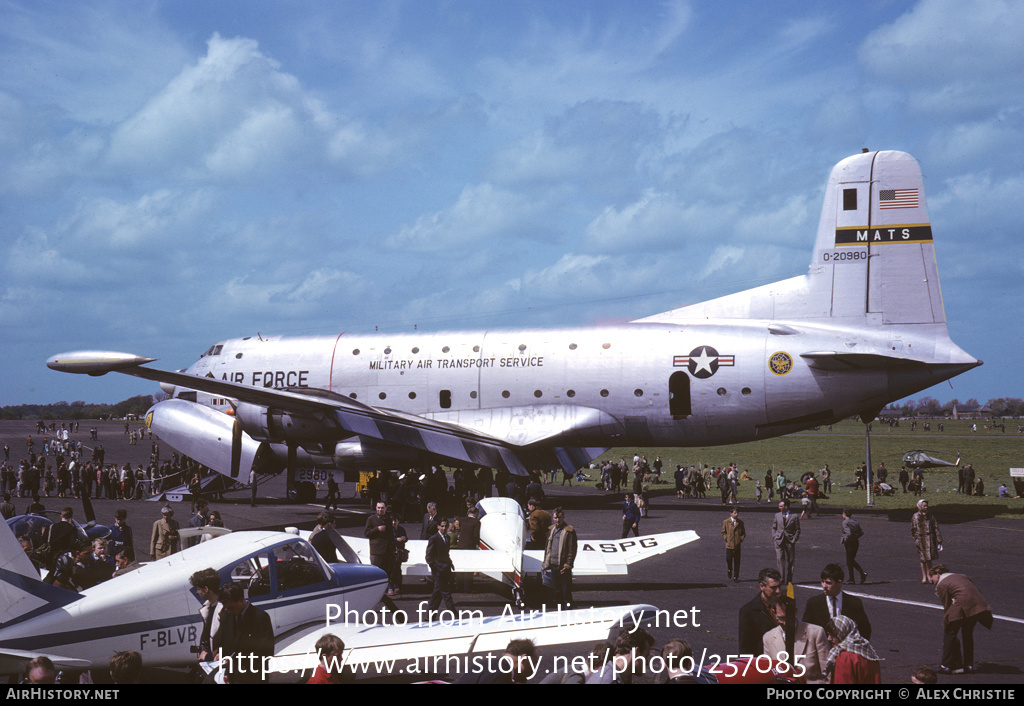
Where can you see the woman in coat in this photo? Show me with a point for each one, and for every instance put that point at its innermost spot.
(927, 537)
(851, 660)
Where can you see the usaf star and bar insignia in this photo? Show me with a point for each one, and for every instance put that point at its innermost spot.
(703, 361)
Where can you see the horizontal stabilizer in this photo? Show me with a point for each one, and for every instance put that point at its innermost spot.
(832, 360)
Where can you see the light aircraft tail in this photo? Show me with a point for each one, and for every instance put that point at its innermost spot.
(21, 591)
(873, 262)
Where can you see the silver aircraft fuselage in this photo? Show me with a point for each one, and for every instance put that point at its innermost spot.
(655, 384)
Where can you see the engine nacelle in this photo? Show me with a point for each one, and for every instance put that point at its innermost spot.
(365, 455)
(209, 437)
(277, 425)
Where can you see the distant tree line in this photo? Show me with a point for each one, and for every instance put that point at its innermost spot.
(926, 406)
(931, 407)
(78, 410)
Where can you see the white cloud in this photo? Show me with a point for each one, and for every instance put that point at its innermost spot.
(654, 218)
(33, 258)
(723, 257)
(151, 221)
(951, 56)
(481, 213)
(326, 283)
(995, 140)
(92, 62)
(235, 114)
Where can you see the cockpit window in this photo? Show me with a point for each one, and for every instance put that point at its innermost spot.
(214, 350)
(282, 568)
(297, 565)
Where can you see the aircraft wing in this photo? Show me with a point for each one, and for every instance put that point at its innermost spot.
(586, 564)
(411, 649)
(504, 438)
(464, 560)
(16, 661)
(597, 557)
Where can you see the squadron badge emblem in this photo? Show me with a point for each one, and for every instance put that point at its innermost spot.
(780, 363)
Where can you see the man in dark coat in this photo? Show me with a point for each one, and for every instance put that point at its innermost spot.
(430, 519)
(560, 557)
(248, 636)
(785, 534)
(379, 531)
(62, 534)
(756, 617)
(833, 602)
(441, 568)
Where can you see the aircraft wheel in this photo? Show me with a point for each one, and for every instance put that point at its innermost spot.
(302, 492)
(307, 491)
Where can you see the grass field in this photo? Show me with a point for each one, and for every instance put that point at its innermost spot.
(842, 447)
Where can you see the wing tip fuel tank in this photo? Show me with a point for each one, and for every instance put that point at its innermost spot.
(95, 362)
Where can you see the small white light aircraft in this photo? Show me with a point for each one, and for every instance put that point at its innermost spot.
(502, 528)
(865, 326)
(154, 610)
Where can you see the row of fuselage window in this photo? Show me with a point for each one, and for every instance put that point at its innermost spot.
(445, 396)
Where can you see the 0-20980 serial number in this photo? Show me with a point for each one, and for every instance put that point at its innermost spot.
(844, 255)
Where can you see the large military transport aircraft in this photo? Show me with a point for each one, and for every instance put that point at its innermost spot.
(864, 327)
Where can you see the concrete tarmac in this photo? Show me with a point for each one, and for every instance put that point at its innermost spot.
(688, 583)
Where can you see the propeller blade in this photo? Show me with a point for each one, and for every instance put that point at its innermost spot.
(236, 448)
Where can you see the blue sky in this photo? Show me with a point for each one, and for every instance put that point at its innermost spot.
(177, 173)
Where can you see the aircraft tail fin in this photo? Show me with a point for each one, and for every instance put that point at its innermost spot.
(873, 262)
(875, 243)
(21, 590)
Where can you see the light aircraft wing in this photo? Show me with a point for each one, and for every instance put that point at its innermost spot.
(600, 557)
(586, 564)
(464, 560)
(395, 648)
(634, 549)
(502, 438)
(16, 661)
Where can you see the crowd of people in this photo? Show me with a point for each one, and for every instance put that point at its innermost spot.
(60, 466)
